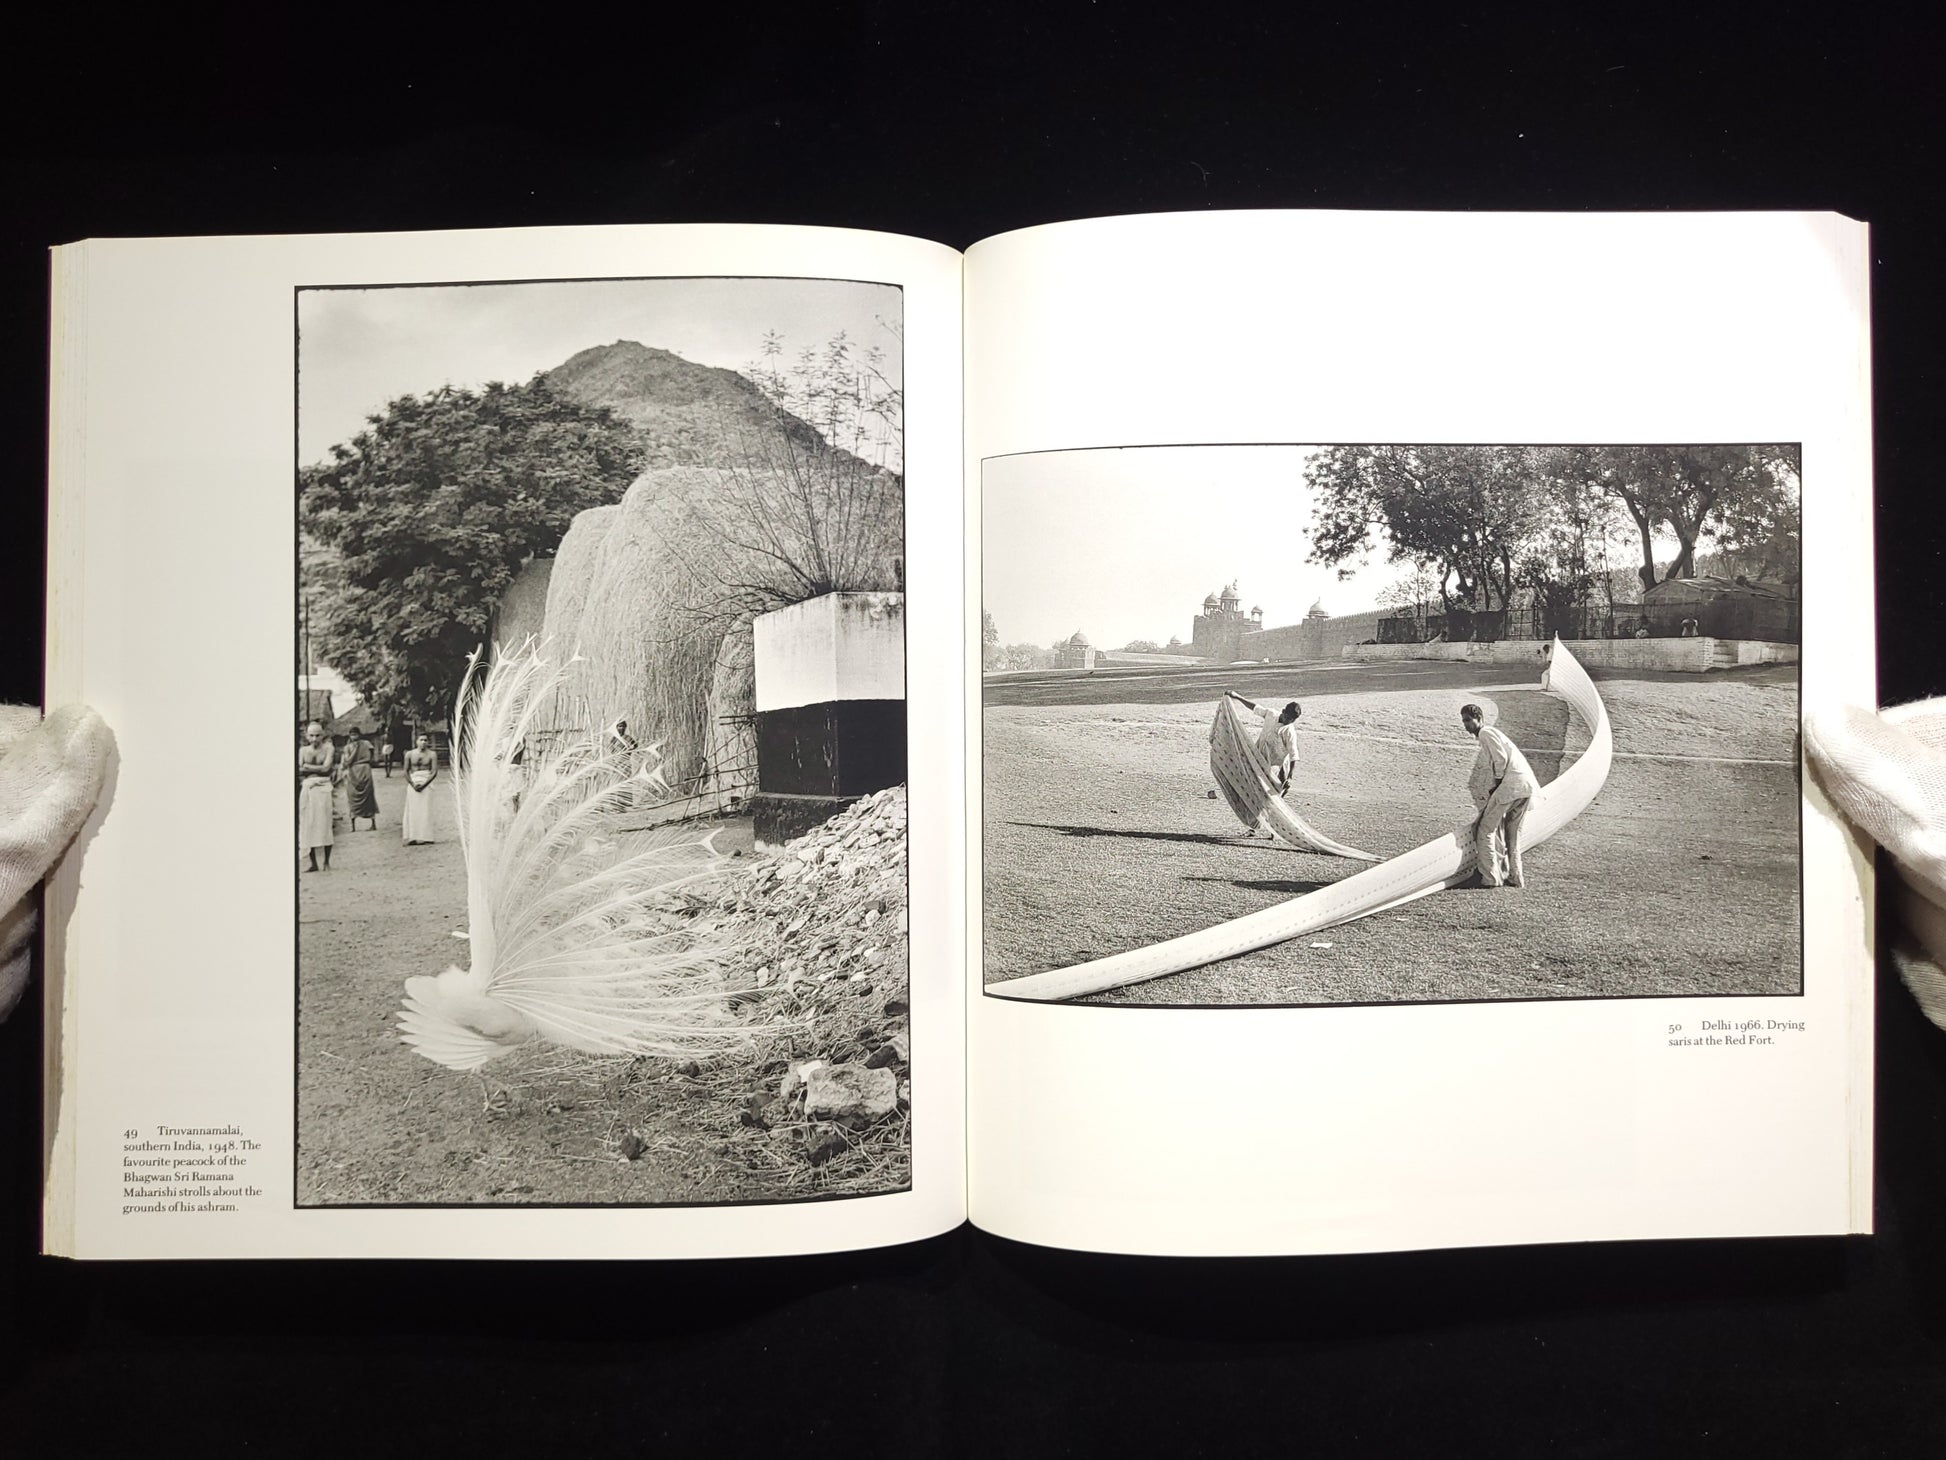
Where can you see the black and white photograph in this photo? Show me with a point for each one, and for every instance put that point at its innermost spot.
(1383, 723)
(600, 743)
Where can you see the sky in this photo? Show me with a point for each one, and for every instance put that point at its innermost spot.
(359, 348)
(1123, 544)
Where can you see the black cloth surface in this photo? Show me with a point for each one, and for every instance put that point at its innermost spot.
(956, 122)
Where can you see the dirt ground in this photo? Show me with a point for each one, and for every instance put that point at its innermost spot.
(1682, 878)
(378, 1123)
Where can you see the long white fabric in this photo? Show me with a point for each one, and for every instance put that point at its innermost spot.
(1245, 774)
(1405, 878)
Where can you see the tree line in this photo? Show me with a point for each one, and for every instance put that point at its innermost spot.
(1480, 525)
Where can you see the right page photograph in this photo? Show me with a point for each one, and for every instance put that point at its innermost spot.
(1394, 633)
(1566, 672)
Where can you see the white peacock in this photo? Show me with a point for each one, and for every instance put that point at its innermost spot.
(576, 928)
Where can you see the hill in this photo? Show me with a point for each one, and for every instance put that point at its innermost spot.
(687, 413)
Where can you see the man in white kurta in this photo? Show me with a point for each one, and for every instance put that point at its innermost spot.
(1502, 786)
(1277, 741)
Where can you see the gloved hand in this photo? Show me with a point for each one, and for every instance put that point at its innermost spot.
(50, 774)
(1887, 773)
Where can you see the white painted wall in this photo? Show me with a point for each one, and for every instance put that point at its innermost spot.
(841, 646)
(1693, 656)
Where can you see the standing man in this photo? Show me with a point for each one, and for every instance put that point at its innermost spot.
(1502, 786)
(421, 770)
(1277, 745)
(316, 759)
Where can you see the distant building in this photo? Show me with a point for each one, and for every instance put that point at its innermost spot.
(1223, 632)
(1724, 608)
(1075, 652)
(313, 704)
(1218, 631)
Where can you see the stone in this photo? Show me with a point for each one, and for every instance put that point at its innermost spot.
(825, 1142)
(795, 1076)
(882, 1058)
(850, 1094)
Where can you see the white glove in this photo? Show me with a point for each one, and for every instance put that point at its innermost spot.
(1887, 773)
(50, 774)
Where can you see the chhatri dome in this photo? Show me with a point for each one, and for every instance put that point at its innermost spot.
(1080, 640)
(1209, 603)
(1317, 610)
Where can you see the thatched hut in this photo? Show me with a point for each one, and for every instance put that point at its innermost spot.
(645, 596)
(657, 594)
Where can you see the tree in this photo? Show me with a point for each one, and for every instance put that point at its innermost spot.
(1026, 656)
(989, 642)
(793, 520)
(1142, 646)
(1567, 562)
(430, 512)
(1743, 498)
(1413, 595)
(842, 390)
(1462, 512)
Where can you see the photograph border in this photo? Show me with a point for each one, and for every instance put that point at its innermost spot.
(297, 1002)
(976, 918)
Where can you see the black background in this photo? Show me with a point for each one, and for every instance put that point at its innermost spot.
(954, 123)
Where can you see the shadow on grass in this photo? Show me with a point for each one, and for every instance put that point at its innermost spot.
(1199, 838)
(1282, 889)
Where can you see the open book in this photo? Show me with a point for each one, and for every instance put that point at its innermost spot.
(1220, 734)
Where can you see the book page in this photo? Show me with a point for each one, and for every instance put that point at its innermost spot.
(519, 844)
(1389, 827)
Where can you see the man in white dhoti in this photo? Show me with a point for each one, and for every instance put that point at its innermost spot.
(316, 760)
(421, 770)
(1502, 786)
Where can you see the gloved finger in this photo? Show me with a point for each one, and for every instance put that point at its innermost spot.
(49, 779)
(1921, 959)
(1887, 774)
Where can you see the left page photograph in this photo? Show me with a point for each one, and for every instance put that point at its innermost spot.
(565, 875)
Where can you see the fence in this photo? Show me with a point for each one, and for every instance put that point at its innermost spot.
(727, 778)
(1769, 620)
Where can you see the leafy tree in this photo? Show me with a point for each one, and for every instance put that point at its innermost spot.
(1413, 595)
(1142, 646)
(429, 513)
(1567, 562)
(989, 641)
(1026, 656)
(1462, 512)
(1742, 498)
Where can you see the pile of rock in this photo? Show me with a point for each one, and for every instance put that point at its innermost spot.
(825, 919)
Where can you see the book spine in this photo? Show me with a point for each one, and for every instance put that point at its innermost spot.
(63, 683)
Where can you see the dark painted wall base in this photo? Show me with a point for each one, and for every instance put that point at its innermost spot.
(839, 748)
(777, 819)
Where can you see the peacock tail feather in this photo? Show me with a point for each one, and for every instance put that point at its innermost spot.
(584, 932)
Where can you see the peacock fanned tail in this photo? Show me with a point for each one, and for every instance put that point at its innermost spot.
(580, 933)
